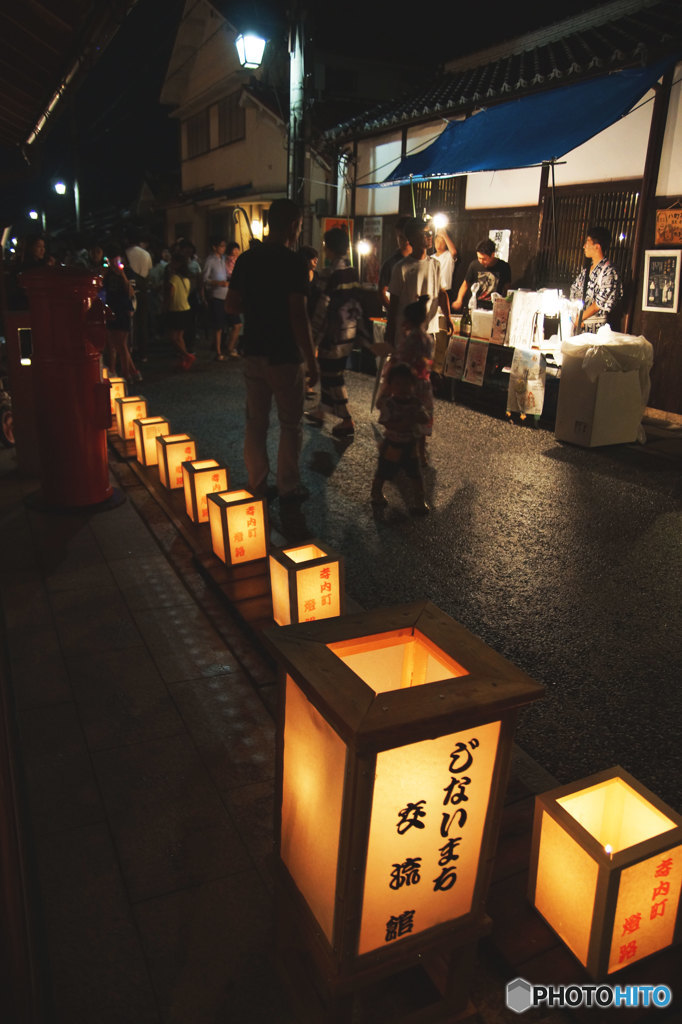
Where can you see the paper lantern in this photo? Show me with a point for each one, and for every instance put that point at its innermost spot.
(171, 451)
(145, 432)
(117, 389)
(606, 869)
(199, 479)
(394, 743)
(307, 583)
(239, 527)
(129, 408)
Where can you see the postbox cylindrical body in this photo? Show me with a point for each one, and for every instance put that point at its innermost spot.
(68, 323)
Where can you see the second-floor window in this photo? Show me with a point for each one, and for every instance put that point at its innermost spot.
(231, 120)
(198, 140)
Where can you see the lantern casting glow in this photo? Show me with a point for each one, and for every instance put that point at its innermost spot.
(396, 729)
(146, 431)
(239, 527)
(171, 451)
(129, 408)
(250, 49)
(307, 583)
(199, 479)
(606, 869)
(118, 389)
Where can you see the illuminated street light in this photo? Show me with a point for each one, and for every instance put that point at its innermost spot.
(33, 214)
(60, 188)
(250, 49)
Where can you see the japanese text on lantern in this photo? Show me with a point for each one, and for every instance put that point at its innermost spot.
(428, 817)
(646, 911)
(245, 534)
(187, 454)
(319, 592)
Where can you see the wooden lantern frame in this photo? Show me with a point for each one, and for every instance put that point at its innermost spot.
(145, 432)
(608, 867)
(125, 417)
(194, 471)
(221, 505)
(171, 451)
(368, 722)
(284, 563)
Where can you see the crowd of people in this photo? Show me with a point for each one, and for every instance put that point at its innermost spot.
(292, 322)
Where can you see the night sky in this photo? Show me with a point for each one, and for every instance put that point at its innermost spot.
(115, 125)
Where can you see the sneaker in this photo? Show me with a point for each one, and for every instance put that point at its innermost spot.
(314, 419)
(234, 354)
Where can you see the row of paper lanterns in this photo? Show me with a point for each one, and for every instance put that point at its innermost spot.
(606, 861)
(307, 581)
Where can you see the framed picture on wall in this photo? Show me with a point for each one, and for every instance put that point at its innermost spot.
(661, 280)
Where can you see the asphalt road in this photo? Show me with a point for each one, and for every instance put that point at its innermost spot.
(568, 561)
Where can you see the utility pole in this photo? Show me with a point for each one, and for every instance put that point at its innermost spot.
(296, 151)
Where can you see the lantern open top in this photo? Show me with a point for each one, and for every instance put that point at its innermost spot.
(305, 553)
(616, 815)
(338, 665)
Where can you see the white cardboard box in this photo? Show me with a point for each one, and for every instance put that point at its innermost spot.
(481, 323)
(606, 411)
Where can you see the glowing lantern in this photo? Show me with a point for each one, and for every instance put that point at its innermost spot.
(199, 479)
(132, 407)
(239, 527)
(146, 432)
(117, 389)
(606, 869)
(171, 451)
(307, 583)
(394, 743)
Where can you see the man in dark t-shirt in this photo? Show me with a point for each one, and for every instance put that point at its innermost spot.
(490, 273)
(268, 287)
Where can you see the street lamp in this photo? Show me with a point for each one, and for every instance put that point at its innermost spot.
(60, 188)
(250, 49)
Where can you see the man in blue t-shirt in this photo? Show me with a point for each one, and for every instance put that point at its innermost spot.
(268, 287)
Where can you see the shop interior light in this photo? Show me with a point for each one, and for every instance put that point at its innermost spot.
(364, 247)
(239, 526)
(606, 869)
(257, 228)
(200, 478)
(440, 221)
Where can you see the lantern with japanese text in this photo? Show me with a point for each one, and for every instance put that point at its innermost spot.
(239, 526)
(117, 389)
(394, 745)
(199, 479)
(171, 451)
(146, 431)
(307, 583)
(606, 869)
(129, 408)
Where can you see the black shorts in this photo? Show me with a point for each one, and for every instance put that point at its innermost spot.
(394, 456)
(216, 314)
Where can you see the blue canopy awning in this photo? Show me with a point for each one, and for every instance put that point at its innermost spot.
(529, 131)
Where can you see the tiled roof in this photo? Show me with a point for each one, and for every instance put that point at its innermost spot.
(623, 33)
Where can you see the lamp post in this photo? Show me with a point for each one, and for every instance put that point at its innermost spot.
(250, 48)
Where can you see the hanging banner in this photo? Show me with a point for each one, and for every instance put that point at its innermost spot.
(668, 227)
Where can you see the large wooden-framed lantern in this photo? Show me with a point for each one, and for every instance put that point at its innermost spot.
(239, 527)
(307, 583)
(606, 869)
(145, 432)
(117, 389)
(171, 451)
(129, 408)
(394, 744)
(200, 478)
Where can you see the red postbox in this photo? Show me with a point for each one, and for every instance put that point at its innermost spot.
(73, 411)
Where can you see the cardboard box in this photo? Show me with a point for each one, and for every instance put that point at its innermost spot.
(606, 411)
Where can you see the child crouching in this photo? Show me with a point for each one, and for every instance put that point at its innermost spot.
(402, 415)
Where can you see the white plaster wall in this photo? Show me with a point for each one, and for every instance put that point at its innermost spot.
(670, 173)
(376, 159)
(259, 160)
(519, 187)
(617, 152)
